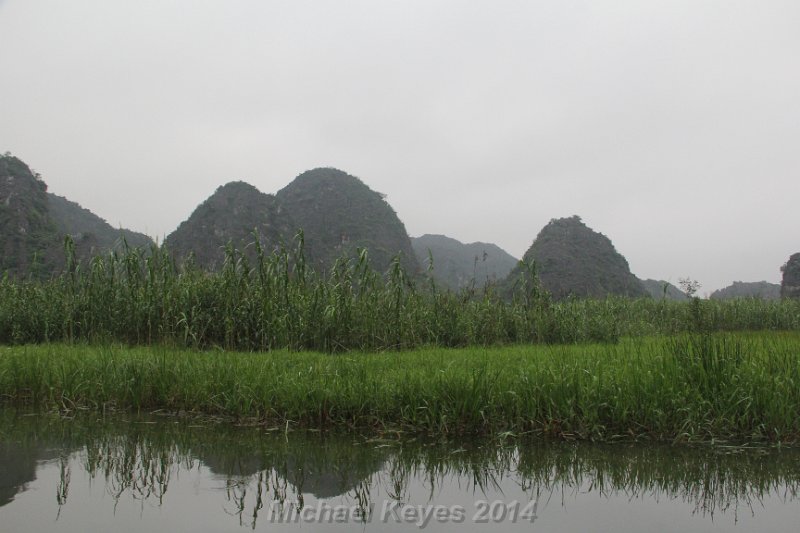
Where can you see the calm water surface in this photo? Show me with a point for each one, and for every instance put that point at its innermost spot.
(131, 473)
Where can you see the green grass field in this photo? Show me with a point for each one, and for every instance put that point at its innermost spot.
(694, 387)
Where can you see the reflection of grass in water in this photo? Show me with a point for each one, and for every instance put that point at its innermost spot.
(711, 478)
(688, 388)
(138, 456)
(139, 459)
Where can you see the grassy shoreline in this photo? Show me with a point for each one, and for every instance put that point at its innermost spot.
(743, 387)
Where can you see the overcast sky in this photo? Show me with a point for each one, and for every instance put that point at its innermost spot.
(673, 127)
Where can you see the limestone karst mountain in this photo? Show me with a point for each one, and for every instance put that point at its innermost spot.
(338, 214)
(89, 231)
(234, 214)
(790, 284)
(574, 260)
(29, 238)
(33, 224)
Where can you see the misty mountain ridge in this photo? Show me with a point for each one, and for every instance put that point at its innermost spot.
(338, 214)
(33, 224)
(660, 290)
(84, 226)
(750, 289)
(457, 265)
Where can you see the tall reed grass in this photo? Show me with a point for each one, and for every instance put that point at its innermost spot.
(272, 300)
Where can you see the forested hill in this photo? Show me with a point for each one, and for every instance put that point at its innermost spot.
(338, 214)
(234, 214)
(34, 223)
(85, 227)
(790, 284)
(30, 241)
(572, 259)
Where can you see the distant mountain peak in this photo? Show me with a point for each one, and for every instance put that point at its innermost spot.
(748, 289)
(237, 187)
(573, 259)
(233, 214)
(339, 213)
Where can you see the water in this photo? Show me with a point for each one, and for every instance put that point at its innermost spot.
(130, 473)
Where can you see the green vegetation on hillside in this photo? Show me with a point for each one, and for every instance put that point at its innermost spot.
(685, 388)
(790, 286)
(573, 260)
(90, 233)
(339, 214)
(336, 212)
(30, 243)
(457, 265)
(33, 224)
(233, 215)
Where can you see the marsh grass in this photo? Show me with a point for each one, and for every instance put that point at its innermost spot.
(690, 388)
(272, 300)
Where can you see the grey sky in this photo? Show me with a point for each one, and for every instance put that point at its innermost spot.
(671, 126)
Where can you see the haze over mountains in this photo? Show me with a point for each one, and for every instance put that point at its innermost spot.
(744, 289)
(33, 224)
(339, 215)
(667, 126)
(663, 290)
(456, 265)
(86, 227)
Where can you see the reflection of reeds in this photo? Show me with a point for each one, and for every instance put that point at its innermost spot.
(712, 479)
(262, 469)
(142, 471)
(698, 387)
(276, 301)
(65, 475)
